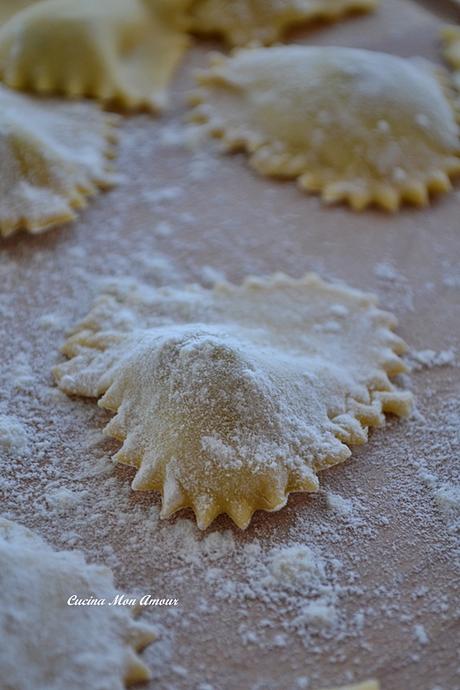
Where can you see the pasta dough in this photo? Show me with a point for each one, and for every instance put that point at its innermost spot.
(227, 400)
(451, 42)
(353, 125)
(265, 21)
(52, 155)
(118, 51)
(52, 645)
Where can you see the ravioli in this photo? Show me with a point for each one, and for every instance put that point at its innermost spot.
(54, 645)
(352, 125)
(265, 21)
(52, 156)
(226, 400)
(121, 52)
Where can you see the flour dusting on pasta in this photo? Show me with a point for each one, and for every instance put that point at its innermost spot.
(227, 400)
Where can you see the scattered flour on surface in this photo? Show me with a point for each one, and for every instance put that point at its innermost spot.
(162, 195)
(420, 634)
(426, 359)
(211, 275)
(343, 506)
(447, 497)
(13, 436)
(386, 271)
(62, 499)
(164, 229)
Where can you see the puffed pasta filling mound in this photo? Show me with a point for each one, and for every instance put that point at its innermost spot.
(53, 645)
(52, 157)
(226, 400)
(121, 52)
(352, 125)
(265, 21)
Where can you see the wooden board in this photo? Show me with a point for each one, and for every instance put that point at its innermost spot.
(184, 214)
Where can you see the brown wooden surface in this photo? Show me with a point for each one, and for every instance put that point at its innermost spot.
(242, 224)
